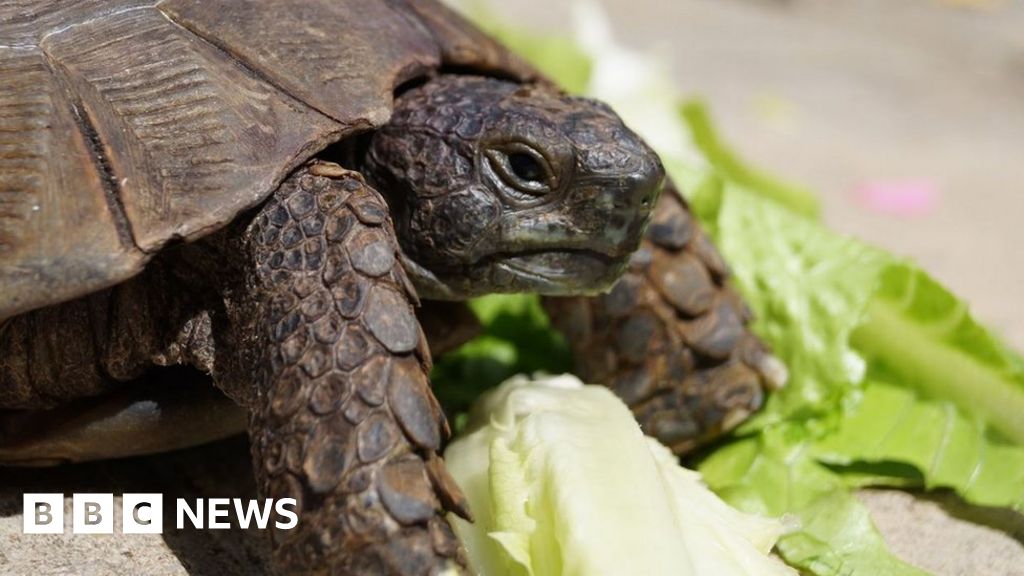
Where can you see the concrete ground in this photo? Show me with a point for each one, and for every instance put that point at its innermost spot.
(832, 94)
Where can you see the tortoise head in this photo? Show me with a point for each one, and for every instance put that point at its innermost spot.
(501, 187)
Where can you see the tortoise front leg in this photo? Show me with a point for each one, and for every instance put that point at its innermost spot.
(344, 420)
(671, 338)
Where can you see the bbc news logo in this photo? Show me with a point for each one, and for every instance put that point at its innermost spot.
(144, 513)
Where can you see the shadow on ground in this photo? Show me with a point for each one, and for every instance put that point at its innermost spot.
(221, 469)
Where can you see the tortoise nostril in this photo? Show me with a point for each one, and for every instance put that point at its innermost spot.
(645, 184)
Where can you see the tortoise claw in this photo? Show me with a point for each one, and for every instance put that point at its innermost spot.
(773, 371)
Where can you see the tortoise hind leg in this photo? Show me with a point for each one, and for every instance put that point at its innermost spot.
(671, 338)
(344, 420)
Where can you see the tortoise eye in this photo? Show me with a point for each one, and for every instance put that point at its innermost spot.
(526, 167)
(523, 169)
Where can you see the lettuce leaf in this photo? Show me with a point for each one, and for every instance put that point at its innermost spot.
(773, 473)
(808, 288)
(563, 482)
(919, 334)
(517, 338)
(948, 449)
(840, 313)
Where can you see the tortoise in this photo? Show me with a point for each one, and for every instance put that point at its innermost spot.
(264, 193)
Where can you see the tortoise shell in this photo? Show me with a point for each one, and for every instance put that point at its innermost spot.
(128, 125)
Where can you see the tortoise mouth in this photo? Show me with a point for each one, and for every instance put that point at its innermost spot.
(558, 271)
(549, 272)
(551, 262)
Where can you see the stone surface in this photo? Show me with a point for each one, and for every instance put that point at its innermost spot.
(217, 470)
(942, 534)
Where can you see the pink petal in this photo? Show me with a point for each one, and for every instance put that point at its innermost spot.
(899, 198)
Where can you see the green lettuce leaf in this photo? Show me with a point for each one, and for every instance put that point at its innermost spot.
(920, 335)
(808, 287)
(773, 473)
(836, 310)
(517, 338)
(946, 448)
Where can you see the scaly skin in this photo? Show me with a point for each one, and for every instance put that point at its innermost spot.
(345, 422)
(472, 220)
(672, 337)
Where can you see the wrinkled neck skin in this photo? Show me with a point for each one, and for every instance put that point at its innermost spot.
(498, 187)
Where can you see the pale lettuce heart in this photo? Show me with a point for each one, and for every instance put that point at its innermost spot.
(562, 481)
